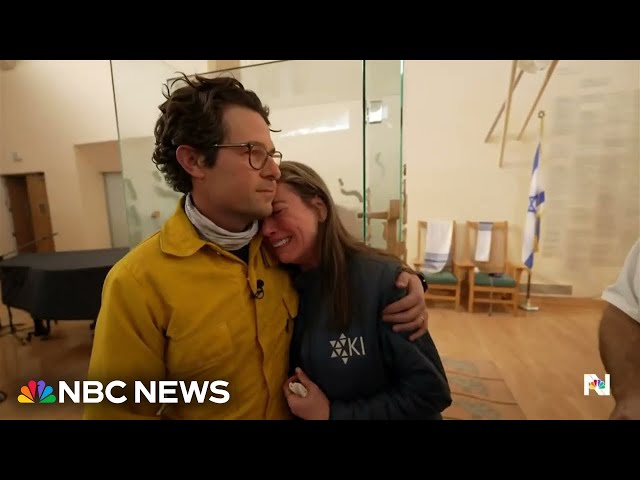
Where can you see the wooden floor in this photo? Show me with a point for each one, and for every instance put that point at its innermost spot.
(542, 356)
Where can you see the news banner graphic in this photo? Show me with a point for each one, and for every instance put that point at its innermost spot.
(593, 384)
(155, 392)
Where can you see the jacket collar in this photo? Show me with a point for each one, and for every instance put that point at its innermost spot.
(179, 237)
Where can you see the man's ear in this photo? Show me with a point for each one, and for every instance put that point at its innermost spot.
(190, 160)
(320, 207)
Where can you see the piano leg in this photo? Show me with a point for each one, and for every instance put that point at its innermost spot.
(14, 331)
(45, 336)
(39, 330)
(13, 328)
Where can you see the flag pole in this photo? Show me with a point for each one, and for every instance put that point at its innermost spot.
(527, 305)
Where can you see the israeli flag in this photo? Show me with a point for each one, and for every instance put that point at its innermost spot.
(531, 235)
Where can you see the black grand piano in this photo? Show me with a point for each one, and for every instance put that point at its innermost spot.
(56, 285)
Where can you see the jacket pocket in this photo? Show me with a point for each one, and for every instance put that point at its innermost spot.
(220, 343)
(208, 348)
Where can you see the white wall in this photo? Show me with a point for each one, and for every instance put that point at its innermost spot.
(138, 87)
(188, 67)
(329, 139)
(318, 108)
(246, 63)
(138, 93)
(334, 154)
(304, 82)
(591, 169)
(117, 208)
(145, 190)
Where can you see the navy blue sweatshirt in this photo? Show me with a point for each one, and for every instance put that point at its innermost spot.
(367, 371)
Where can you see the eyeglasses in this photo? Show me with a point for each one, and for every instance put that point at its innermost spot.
(258, 154)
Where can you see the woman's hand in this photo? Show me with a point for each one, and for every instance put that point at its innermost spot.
(315, 406)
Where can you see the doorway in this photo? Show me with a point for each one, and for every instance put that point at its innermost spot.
(29, 207)
(116, 209)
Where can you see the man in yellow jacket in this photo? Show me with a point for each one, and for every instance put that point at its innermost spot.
(202, 300)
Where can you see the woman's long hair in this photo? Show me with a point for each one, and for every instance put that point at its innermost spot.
(335, 244)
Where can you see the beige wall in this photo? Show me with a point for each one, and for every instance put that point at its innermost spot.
(92, 161)
(47, 108)
(590, 160)
(50, 107)
(59, 118)
(7, 241)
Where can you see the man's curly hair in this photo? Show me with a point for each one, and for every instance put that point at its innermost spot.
(193, 115)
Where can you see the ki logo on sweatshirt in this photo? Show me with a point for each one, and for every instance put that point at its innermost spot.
(346, 347)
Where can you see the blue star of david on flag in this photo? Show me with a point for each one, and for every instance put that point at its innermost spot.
(531, 234)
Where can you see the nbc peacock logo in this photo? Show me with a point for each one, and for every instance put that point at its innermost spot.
(593, 384)
(36, 392)
(596, 384)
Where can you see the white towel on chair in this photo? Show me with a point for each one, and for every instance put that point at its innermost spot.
(483, 242)
(437, 245)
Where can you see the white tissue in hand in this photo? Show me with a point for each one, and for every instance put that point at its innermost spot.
(298, 389)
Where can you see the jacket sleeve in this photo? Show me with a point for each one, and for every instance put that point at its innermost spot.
(128, 345)
(418, 384)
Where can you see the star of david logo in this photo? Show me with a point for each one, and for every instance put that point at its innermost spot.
(339, 348)
(532, 204)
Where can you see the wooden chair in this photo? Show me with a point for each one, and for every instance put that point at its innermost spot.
(447, 284)
(497, 278)
(391, 227)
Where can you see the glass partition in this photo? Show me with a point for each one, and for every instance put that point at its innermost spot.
(383, 155)
(319, 108)
(137, 87)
